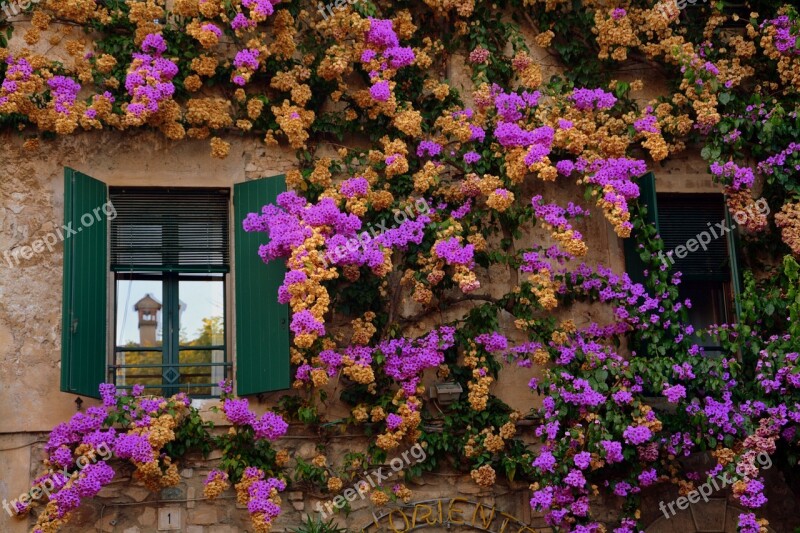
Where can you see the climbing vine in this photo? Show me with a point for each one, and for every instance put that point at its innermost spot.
(461, 183)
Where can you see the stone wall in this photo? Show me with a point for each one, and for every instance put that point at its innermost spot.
(127, 506)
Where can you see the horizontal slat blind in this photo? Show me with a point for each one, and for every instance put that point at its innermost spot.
(170, 229)
(685, 217)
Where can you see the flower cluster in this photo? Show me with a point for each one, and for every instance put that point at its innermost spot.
(149, 80)
(260, 495)
(733, 175)
(270, 426)
(382, 57)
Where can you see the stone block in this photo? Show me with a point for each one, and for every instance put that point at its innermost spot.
(109, 492)
(204, 515)
(680, 522)
(172, 493)
(223, 528)
(709, 517)
(147, 518)
(186, 473)
(469, 487)
(137, 494)
(307, 450)
(195, 529)
(107, 523)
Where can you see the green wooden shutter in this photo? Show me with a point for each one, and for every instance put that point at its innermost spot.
(634, 264)
(733, 255)
(262, 324)
(83, 328)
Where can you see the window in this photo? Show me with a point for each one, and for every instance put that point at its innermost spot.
(169, 255)
(706, 273)
(710, 277)
(163, 260)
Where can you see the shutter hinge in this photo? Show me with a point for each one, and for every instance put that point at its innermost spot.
(74, 327)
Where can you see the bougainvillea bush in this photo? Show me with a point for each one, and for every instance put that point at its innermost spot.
(150, 432)
(484, 164)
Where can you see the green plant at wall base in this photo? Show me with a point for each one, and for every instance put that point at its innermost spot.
(317, 525)
(240, 450)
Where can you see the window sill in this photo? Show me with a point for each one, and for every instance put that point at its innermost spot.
(205, 404)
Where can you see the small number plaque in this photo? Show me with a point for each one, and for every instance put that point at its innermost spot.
(169, 519)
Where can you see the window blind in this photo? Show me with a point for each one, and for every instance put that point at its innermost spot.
(684, 217)
(170, 229)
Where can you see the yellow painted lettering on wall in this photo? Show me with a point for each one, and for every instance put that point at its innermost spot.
(418, 517)
(456, 511)
(391, 521)
(451, 510)
(505, 522)
(479, 508)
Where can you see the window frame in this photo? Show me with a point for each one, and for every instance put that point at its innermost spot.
(258, 349)
(725, 284)
(170, 279)
(634, 265)
(170, 351)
